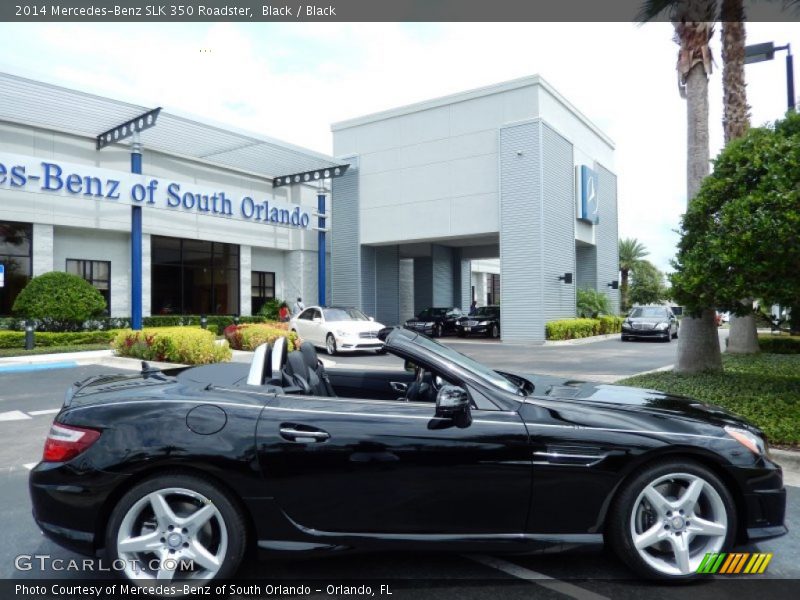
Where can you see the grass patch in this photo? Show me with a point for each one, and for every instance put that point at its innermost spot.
(764, 389)
(5, 352)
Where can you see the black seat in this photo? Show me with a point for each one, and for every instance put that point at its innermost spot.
(318, 378)
(295, 373)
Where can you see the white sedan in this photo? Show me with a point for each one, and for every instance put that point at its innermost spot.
(337, 329)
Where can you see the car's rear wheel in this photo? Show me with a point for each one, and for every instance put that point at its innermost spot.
(330, 344)
(176, 527)
(666, 519)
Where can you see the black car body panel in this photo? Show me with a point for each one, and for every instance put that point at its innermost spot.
(435, 321)
(523, 472)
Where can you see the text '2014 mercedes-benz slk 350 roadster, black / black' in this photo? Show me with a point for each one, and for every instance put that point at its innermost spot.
(203, 464)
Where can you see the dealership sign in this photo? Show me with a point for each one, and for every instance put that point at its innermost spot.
(81, 182)
(588, 202)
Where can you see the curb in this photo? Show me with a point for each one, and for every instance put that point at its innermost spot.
(788, 459)
(579, 341)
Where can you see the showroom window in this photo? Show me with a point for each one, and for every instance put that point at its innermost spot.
(15, 256)
(193, 277)
(96, 272)
(263, 289)
(493, 293)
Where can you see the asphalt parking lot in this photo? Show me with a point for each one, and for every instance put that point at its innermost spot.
(28, 401)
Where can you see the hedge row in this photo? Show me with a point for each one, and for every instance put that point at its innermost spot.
(779, 344)
(570, 329)
(187, 345)
(16, 339)
(250, 336)
(216, 323)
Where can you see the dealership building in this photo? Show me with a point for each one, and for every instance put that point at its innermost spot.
(505, 194)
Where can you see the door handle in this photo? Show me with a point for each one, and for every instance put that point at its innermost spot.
(399, 386)
(298, 435)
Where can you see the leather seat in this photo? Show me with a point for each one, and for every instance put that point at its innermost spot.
(318, 378)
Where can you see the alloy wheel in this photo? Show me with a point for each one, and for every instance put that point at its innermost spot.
(330, 344)
(172, 533)
(677, 519)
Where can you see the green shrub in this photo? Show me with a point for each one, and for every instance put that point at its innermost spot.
(250, 336)
(187, 345)
(16, 339)
(779, 344)
(570, 329)
(591, 303)
(215, 323)
(60, 300)
(271, 307)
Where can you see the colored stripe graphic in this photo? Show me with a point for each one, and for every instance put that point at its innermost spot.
(733, 563)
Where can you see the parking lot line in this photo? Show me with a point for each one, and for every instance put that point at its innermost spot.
(13, 415)
(49, 411)
(556, 585)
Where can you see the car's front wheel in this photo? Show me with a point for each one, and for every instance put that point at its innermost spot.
(668, 517)
(330, 344)
(176, 526)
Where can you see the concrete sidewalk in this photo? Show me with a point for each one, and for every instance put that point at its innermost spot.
(106, 358)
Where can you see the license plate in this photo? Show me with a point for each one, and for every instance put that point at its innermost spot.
(467, 328)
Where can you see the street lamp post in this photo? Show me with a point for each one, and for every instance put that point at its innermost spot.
(760, 52)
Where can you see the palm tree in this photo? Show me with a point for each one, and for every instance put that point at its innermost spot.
(698, 347)
(631, 253)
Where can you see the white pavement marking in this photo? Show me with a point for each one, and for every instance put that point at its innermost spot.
(49, 411)
(30, 466)
(562, 587)
(13, 415)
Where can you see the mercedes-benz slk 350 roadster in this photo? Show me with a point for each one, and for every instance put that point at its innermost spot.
(206, 464)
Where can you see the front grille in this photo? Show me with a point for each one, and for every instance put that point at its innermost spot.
(368, 335)
(643, 326)
(470, 323)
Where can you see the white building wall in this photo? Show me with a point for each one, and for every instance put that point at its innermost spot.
(91, 244)
(245, 280)
(42, 249)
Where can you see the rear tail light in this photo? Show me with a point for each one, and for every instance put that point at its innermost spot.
(65, 442)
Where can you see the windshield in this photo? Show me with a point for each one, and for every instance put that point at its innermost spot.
(468, 364)
(486, 311)
(653, 312)
(344, 314)
(432, 312)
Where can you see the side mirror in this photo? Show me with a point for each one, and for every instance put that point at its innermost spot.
(451, 402)
(410, 366)
(317, 320)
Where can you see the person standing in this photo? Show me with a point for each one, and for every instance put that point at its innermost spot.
(298, 307)
(473, 307)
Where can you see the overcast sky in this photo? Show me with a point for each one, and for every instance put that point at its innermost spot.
(291, 81)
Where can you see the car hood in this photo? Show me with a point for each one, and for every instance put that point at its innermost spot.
(635, 400)
(354, 326)
(653, 320)
(478, 318)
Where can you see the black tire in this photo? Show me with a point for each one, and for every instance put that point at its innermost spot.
(625, 338)
(495, 331)
(437, 331)
(461, 334)
(620, 513)
(330, 344)
(675, 335)
(381, 350)
(231, 515)
(668, 338)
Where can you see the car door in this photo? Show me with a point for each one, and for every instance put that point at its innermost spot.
(302, 323)
(384, 467)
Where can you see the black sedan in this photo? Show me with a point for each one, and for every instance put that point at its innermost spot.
(435, 322)
(180, 475)
(484, 321)
(653, 322)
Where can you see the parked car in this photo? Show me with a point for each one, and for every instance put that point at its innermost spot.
(337, 329)
(435, 321)
(203, 464)
(650, 322)
(485, 320)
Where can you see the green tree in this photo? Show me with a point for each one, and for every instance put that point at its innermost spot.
(740, 237)
(631, 253)
(647, 284)
(60, 301)
(698, 347)
(591, 304)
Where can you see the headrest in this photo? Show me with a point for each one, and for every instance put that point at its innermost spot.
(310, 355)
(296, 365)
(258, 366)
(279, 352)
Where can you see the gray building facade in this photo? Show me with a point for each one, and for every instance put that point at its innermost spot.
(510, 171)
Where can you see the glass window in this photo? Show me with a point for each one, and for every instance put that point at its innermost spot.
(262, 289)
(307, 314)
(96, 272)
(15, 256)
(344, 314)
(650, 312)
(193, 277)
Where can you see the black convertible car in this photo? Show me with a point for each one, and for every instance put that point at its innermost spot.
(181, 475)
